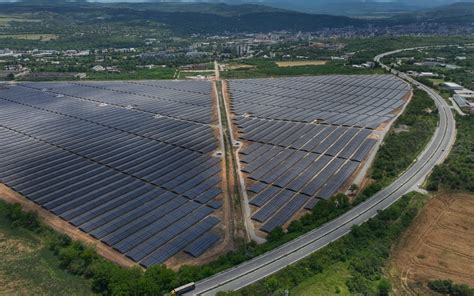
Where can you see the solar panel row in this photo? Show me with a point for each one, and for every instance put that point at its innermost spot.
(306, 136)
(172, 102)
(141, 181)
(363, 101)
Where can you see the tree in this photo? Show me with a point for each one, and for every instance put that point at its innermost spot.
(353, 189)
(275, 234)
(10, 76)
(384, 287)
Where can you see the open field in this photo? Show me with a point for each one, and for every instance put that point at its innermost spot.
(436, 81)
(238, 66)
(300, 63)
(6, 19)
(28, 267)
(41, 37)
(438, 245)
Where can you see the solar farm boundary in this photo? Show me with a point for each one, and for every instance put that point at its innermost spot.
(435, 152)
(239, 178)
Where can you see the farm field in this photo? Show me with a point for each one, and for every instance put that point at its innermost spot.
(42, 37)
(438, 245)
(305, 138)
(6, 19)
(300, 63)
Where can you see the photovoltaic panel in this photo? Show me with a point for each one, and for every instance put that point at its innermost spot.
(119, 160)
(299, 133)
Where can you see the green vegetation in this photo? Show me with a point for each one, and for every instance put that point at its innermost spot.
(411, 132)
(461, 73)
(447, 287)
(101, 25)
(266, 68)
(366, 49)
(353, 264)
(457, 172)
(28, 267)
(408, 137)
(47, 262)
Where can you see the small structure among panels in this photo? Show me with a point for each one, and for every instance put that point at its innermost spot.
(128, 163)
(305, 137)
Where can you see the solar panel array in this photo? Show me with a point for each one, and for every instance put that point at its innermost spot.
(129, 163)
(305, 137)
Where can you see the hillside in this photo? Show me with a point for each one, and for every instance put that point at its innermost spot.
(457, 13)
(187, 18)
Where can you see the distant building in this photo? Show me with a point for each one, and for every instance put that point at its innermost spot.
(98, 68)
(6, 52)
(427, 74)
(465, 93)
(80, 75)
(451, 86)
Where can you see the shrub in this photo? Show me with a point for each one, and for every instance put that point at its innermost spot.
(20, 218)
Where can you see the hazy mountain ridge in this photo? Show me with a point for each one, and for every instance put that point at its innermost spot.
(212, 18)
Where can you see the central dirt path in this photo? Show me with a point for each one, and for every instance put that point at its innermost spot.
(237, 190)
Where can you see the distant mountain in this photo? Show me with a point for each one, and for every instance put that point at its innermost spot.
(354, 8)
(189, 18)
(457, 13)
(215, 18)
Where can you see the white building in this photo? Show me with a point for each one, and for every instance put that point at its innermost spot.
(98, 68)
(451, 86)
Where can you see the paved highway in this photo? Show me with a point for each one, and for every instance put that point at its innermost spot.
(260, 267)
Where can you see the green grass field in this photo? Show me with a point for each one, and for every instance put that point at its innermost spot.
(263, 68)
(28, 267)
(330, 282)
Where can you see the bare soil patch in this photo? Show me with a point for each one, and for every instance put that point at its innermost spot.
(238, 66)
(300, 63)
(438, 245)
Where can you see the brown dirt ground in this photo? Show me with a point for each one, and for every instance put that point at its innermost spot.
(62, 226)
(300, 63)
(238, 66)
(438, 245)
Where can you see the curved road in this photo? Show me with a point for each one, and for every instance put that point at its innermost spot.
(260, 267)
